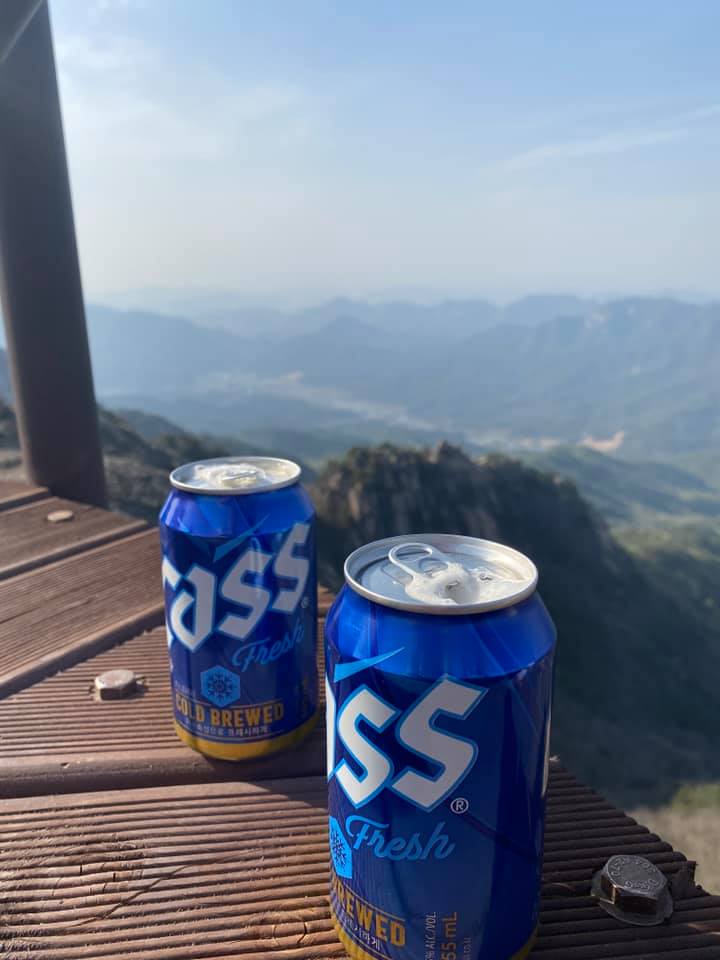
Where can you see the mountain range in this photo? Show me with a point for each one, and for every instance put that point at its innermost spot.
(638, 376)
(426, 318)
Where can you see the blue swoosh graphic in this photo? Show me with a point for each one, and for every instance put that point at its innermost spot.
(226, 548)
(345, 670)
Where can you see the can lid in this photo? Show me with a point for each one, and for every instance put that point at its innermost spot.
(229, 476)
(441, 573)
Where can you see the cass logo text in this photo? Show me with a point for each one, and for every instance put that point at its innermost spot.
(191, 615)
(450, 755)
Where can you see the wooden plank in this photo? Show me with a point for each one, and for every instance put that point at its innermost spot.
(240, 870)
(325, 599)
(54, 616)
(55, 737)
(13, 493)
(31, 536)
(10, 488)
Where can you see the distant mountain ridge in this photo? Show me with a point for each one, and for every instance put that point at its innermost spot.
(640, 370)
(450, 317)
(454, 318)
(136, 351)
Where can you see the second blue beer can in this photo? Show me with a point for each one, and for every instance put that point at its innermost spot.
(238, 539)
(439, 659)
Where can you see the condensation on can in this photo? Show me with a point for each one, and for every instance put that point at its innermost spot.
(239, 575)
(438, 713)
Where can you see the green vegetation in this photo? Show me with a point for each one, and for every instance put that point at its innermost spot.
(697, 796)
(634, 493)
(687, 561)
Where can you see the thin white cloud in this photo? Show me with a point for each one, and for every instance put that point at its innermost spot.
(677, 127)
(593, 147)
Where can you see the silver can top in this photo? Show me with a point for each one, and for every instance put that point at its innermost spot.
(230, 476)
(441, 573)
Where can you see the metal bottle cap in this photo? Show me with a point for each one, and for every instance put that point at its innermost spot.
(224, 476)
(632, 889)
(440, 573)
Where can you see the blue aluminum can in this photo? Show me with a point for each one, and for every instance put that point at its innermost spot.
(439, 659)
(239, 575)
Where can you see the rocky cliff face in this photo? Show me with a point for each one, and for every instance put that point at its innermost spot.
(380, 491)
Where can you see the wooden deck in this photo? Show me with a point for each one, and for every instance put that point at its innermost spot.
(95, 744)
(118, 842)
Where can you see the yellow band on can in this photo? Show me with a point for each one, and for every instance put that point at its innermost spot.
(356, 952)
(245, 751)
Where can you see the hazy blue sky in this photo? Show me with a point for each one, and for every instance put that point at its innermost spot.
(303, 149)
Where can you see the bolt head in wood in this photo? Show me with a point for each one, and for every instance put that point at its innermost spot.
(60, 516)
(115, 684)
(632, 889)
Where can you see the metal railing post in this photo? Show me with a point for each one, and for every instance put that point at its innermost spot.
(40, 282)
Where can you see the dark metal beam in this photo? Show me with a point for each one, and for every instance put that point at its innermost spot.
(39, 271)
(15, 15)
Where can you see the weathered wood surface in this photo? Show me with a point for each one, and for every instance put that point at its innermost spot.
(240, 870)
(55, 737)
(325, 599)
(64, 611)
(13, 493)
(203, 870)
(50, 529)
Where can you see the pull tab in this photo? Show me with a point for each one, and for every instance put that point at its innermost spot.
(449, 584)
(424, 549)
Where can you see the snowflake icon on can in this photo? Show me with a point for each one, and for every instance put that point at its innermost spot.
(340, 851)
(220, 686)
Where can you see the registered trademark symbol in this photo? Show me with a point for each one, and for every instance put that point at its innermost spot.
(459, 805)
